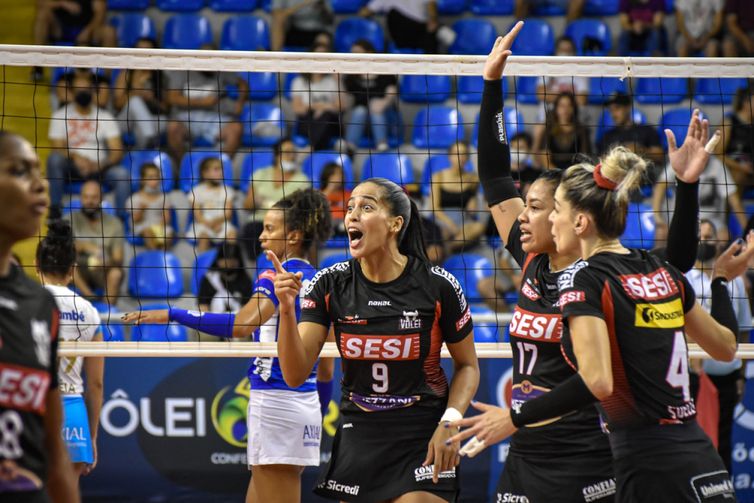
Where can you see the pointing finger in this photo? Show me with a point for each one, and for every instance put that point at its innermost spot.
(275, 262)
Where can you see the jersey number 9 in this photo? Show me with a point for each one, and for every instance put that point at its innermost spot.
(379, 374)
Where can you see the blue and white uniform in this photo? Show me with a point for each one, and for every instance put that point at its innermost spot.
(79, 321)
(284, 423)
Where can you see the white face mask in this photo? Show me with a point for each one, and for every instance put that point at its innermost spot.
(521, 158)
(288, 166)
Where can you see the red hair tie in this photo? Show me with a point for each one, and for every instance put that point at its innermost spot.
(601, 181)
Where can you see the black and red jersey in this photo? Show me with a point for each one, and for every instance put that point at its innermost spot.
(390, 334)
(538, 364)
(28, 370)
(643, 301)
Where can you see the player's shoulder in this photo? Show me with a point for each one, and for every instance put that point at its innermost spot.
(330, 275)
(568, 276)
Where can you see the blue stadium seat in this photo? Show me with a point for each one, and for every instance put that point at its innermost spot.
(172, 332)
(393, 166)
(485, 332)
(202, 263)
(265, 5)
(253, 161)
(180, 5)
(263, 86)
(132, 26)
(189, 170)
(596, 31)
(601, 8)
(333, 259)
(245, 33)
(469, 268)
(312, 166)
(127, 4)
(353, 29)
(473, 36)
(437, 127)
(425, 88)
(606, 123)
(535, 39)
(640, 227)
(547, 9)
(435, 164)
(661, 90)
(155, 275)
(525, 90)
(677, 120)
(233, 5)
(187, 31)
(600, 89)
(491, 7)
(134, 159)
(347, 6)
(715, 91)
(469, 89)
(263, 124)
(514, 124)
(451, 7)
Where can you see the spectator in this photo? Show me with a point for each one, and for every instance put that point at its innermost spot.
(412, 24)
(212, 206)
(455, 201)
(87, 146)
(726, 376)
(139, 101)
(573, 8)
(563, 135)
(638, 138)
(332, 184)
(643, 29)
(201, 108)
(700, 24)
(268, 185)
(739, 21)
(522, 163)
(717, 192)
(318, 106)
(225, 287)
(738, 140)
(150, 209)
(296, 23)
(549, 90)
(506, 280)
(65, 93)
(99, 246)
(372, 102)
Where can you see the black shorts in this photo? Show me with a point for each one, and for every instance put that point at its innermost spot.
(557, 479)
(675, 463)
(25, 497)
(378, 456)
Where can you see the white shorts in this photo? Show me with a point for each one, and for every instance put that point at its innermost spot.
(285, 428)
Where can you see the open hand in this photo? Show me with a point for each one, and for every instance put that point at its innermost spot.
(690, 160)
(442, 451)
(155, 316)
(488, 428)
(493, 68)
(734, 261)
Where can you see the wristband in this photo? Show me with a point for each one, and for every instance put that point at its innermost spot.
(451, 415)
(499, 189)
(217, 324)
(572, 394)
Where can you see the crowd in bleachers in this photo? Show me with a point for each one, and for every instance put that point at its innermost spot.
(192, 158)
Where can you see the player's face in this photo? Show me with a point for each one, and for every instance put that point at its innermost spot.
(273, 234)
(536, 229)
(368, 221)
(563, 220)
(23, 197)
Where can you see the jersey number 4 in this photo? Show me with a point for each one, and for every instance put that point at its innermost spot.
(678, 371)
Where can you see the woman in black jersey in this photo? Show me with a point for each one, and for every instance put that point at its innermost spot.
(567, 459)
(391, 312)
(34, 466)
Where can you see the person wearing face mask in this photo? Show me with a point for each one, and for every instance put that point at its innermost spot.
(86, 146)
(99, 246)
(211, 206)
(150, 209)
(269, 185)
(225, 287)
(726, 376)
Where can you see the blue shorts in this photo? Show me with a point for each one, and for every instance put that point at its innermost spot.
(75, 431)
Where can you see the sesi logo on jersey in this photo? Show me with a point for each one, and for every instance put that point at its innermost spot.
(380, 347)
(538, 327)
(529, 292)
(23, 388)
(572, 296)
(652, 286)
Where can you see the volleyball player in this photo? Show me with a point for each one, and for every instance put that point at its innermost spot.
(284, 422)
(566, 459)
(79, 321)
(391, 311)
(34, 466)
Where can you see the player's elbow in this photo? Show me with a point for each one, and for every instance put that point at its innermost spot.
(293, 377)
(601, 386)
(727, 350)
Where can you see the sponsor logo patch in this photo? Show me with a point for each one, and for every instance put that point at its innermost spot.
(454, 283)
(308, 304)
(464, 319)
(529, 292)
(511, 498)
(565, 280)
(380, 347)
(572, 296)
(379, 303)
(426, 472)
(603, 489)
(23, 388)
(656, 285)
(539, 327)
(665, 315)
(713, 486)
(411, 320)
(334, 485)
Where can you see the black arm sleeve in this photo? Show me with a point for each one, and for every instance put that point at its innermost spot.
(572, 394)
(683, 233)
(494, 151)
(722, 308)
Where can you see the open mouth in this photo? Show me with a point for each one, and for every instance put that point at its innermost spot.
(354, 236)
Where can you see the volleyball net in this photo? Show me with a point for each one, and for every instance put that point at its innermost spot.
(159, 120)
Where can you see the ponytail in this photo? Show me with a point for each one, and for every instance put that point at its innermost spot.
(412, 242)
(56, 253)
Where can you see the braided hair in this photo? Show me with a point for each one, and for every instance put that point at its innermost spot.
(308, 211)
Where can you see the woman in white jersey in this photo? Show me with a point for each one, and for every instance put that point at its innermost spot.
(79, 321)
(284, 423)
